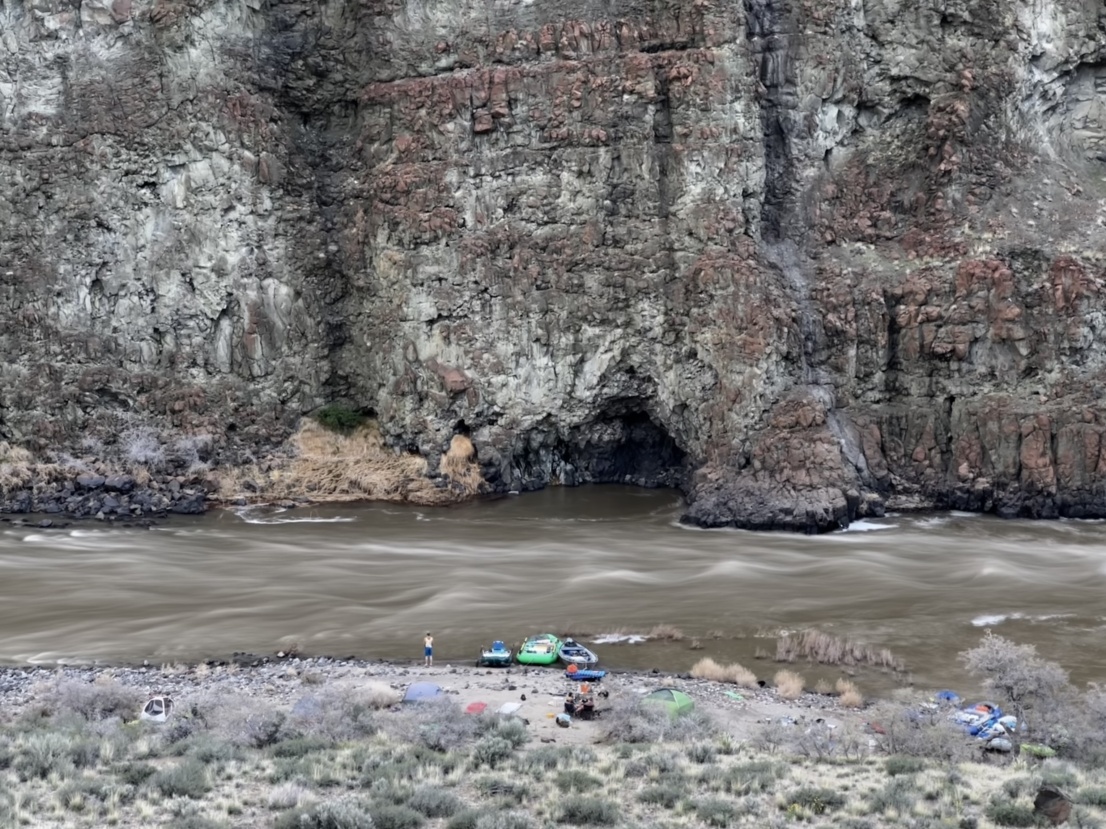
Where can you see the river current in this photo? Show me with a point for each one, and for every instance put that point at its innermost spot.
(606, 563)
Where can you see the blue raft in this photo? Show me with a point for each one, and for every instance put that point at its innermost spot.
(589, 676)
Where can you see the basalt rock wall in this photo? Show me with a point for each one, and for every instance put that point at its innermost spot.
(802, 259)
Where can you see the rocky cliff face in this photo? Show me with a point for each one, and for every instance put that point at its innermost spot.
(802, 258)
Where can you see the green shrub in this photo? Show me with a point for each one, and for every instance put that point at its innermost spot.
(816, 800)
(666, 794)
(42, 754)
(390, 792)
(209, 750)
(1011, 814)
(195, 822)
(434, 802)
(188, 779)
(513, 731)
(389, 816)
(715, 811)
(498, 787)
(1061, 776)
(300, 746)
(702, 753)
(1014, 787)
(466, 819)
(1092, 796)
(648, 764)
(577, 780)
(135, 774)
(491, 751)
(504, 820)
(345, 813)
(338, 418)
(539, 760)
(588, 811)
(898, 795)
(755, 776)
(903, 765)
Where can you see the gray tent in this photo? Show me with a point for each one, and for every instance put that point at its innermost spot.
(422, 691)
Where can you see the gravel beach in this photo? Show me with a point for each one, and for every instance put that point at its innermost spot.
(280, 682)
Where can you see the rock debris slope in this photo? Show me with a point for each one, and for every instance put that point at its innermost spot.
(803, 258)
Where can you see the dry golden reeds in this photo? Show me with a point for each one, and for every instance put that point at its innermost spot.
(827, 649)
(669, 633)
(735, 673)
(356, 465)
(850, 695)
(789, 685)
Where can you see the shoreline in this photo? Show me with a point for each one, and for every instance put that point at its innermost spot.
(280, 682)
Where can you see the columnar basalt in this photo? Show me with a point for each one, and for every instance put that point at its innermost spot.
(802, 259)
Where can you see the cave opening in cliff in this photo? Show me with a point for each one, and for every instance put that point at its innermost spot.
(622, 444)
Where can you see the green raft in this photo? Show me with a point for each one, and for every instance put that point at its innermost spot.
(541, 649)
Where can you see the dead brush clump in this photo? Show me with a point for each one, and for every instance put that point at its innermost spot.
(850, 696)
(826, 649)
(735, 673)
(460, 466)
(789, 685)
(19, 469)
(325, 465)
(667, 633)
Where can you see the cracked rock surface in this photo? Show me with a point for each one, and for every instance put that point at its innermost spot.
(805, 259)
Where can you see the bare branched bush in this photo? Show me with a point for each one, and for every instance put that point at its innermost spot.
(819, 741)
(142, 446)
(789, 685)
(1034, 690)
(916, 729)
(289, 796)
(631, 721)
(340, 712)
(102, 698)
(815, 646)
(240, 721)
(440, 725)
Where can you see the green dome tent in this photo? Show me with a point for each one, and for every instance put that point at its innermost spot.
(677, 702)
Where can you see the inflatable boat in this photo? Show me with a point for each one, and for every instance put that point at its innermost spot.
(540, 649)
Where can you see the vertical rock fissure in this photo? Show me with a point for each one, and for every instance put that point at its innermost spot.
(767, 34)
(770, 34)
(662, 143)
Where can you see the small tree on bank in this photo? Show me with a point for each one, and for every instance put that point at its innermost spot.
(1033, 689)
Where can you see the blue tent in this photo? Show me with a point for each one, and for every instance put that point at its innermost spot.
(422, 691)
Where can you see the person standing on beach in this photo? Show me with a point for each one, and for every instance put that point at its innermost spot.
(428, 649)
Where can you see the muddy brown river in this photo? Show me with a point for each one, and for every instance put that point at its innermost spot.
(606, 563)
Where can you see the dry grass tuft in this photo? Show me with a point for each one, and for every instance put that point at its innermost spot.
(850, 696)
(789, 684)
(460, 466)
(669, 633)
(358, 465)
(735, 673)
(827, 649)
(707, 668)
(14, 454)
